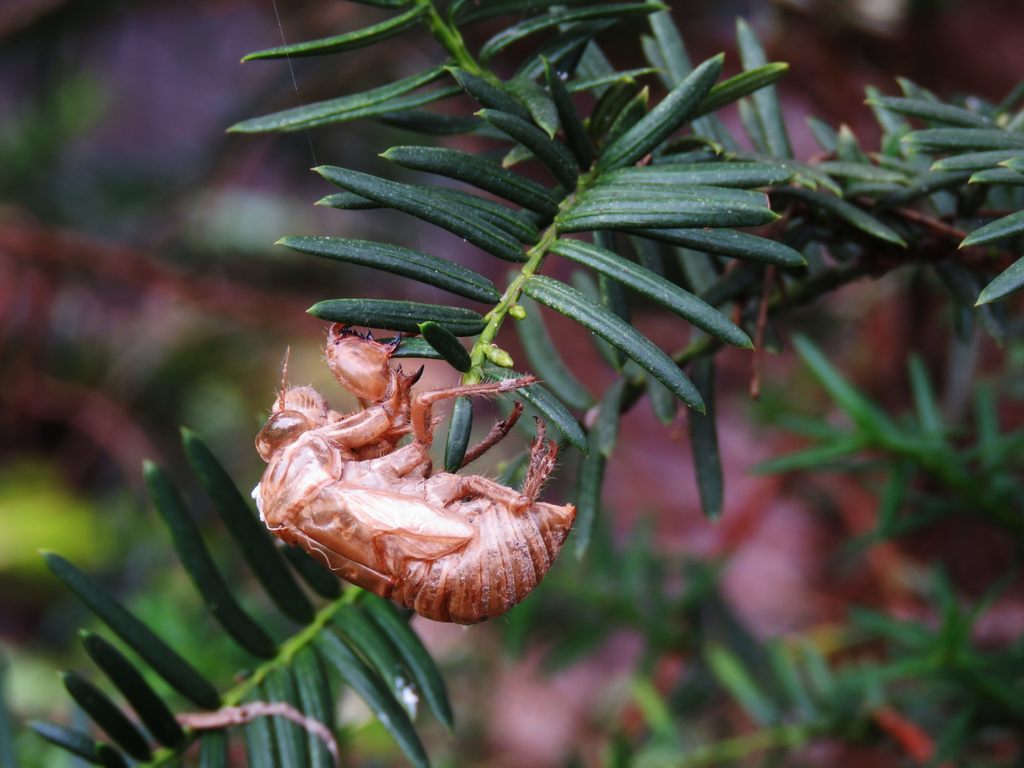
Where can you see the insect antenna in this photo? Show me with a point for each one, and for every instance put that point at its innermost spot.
(284, 378)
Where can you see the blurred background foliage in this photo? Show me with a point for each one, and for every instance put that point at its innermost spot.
(139, 291)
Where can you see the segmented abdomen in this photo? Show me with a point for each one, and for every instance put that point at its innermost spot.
(507, 557)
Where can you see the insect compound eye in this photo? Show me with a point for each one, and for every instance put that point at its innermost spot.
(283, 428)
(360, 365)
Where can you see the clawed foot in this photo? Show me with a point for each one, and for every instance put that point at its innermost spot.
(543, 454)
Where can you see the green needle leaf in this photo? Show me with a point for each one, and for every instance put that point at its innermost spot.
(75, 742)
(415, 656)
(818, 457)
(790, 679)
(622, 90)
(289, 737)
(591, 315)
(404, 316)
(711, 174)
(413, 347)
(660, 195)
(575, 133)
(397, 260)
(862, 172)
(731, 675)
(510, 221)
(804, 175)
(1012, 279)
(932, 111)
(663, 402)
(665, 118)
(550, 152)
(654, 287)
(345, 42)
(107, 716)
(150, 708)
(670, 51)
(188, 543)
(628, 116)
(377, 697)
(367, 639)
(259, 738)
(998, 176)
(213, 750)
(976, 161)
(588, 500)
(318, 576)
(447, 344)
(765, 100)
(347, 201)
(315, 700)
(963, 140)
(849, 213)
(487, 94)
(557, 18)
(928, 414)
(964, 289)
(459, 428)
(667, 52)
(538, 103)
(738, 86)
(729, 242)
(429, 123)
(181, 675)
(861, 411)
(718, 288)
(546, 362)
(605, 432)
(585, 284)
(249, 533)
(388, 98)
(894, 127)
(466, 12)
(621, 207)
(478, 171)
(1008, 226)
(824, 134)
(924, 185)
(424, 204)
(602, 440)
(563, 51)
(707, 462)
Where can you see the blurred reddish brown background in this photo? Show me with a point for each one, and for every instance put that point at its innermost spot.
(139, 290)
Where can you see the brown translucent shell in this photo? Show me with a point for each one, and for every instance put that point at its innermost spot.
(452, 547)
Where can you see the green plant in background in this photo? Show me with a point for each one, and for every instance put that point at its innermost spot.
(664, 194)
(930, 475)
(362, 638)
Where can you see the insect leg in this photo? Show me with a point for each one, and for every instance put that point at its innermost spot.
(461, 488)
(496, 435)
(420, 412)
(358, 429)
(542, 461)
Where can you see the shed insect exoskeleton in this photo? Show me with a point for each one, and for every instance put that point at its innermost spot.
(459, 548)
(361, 365)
